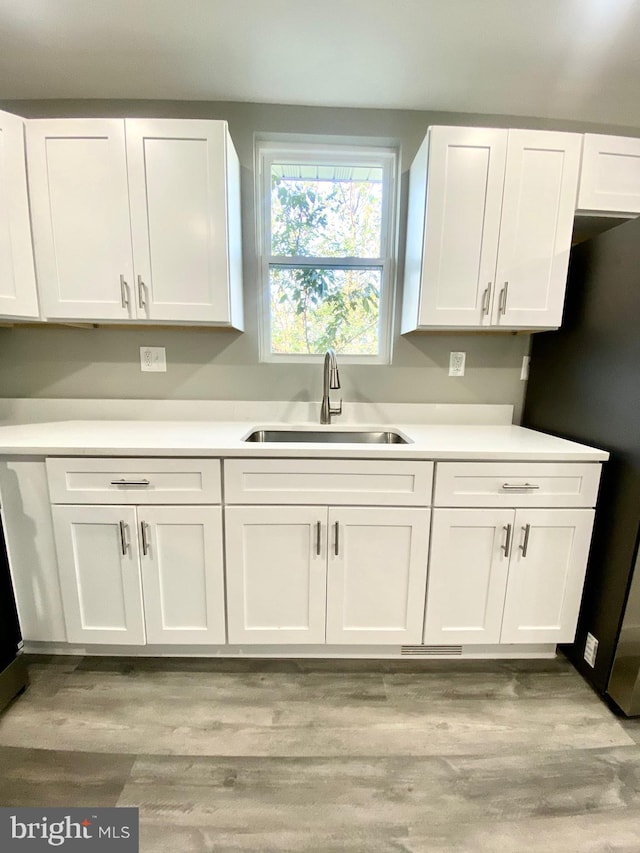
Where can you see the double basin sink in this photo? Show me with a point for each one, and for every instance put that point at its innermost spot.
(328, 437)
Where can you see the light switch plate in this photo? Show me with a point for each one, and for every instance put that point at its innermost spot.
(524, 372)
(153, 359)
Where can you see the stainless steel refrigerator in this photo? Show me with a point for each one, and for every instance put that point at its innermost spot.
(584, 384)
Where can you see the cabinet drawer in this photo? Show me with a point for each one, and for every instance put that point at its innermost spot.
(514, 484)
(134, 481)
(327, 481)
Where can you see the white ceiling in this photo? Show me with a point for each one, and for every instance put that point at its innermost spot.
(571, 59)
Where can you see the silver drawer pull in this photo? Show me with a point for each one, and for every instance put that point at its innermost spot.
(142, 302)
(123, 537)
(486, 299)
(143, 536)
(525, 545)
(502, 305)
(123, 482)
(507, 540)
(518, 486)
(124, 292)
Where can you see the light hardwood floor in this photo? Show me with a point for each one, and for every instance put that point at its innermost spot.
(315, 756)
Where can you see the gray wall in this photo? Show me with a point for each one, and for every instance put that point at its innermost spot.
(214, 364)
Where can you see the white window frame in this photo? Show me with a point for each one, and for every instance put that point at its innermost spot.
(268, 152)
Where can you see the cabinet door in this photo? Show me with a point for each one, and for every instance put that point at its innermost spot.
(546, 575)
(179, 211)
(99, 572)
(377, 574)
(276, 573)
(17, 276)
(467, 575)
(182, 575)
(540, 188)
(80, 212)
(610, 175)
(464, 200)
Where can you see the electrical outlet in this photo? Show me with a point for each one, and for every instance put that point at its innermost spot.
(456, 363)
(590, 650)
(524, 373)
(153, 359)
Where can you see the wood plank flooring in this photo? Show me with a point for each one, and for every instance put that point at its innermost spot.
(312, 756)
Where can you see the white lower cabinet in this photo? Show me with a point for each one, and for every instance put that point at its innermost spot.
(182, 573)
(467, 576)
(130, 575)
(377, 574)
(99, 571)
(309, 574)
(546, 575)
(506, 576)
(276, 573)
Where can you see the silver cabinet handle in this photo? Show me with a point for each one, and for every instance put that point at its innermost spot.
(124, 292)
(318, 537)
(142, 302)
(525, 543)
(486, 299)
(123, 482)
(143, 537)
(518, 486)
(503, 298)
(123, 538)
(507, 540)
(337, 543)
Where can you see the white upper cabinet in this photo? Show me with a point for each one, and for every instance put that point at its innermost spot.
(610, 175)
(18, 296)
(489, 228)
(136, 220)
(538, 206)
(183, 183)
(80, 211)
(455, 199)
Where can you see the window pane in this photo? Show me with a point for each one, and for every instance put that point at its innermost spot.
(326, 211)
(314, 308)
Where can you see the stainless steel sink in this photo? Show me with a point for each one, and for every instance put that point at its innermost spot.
(328, 437)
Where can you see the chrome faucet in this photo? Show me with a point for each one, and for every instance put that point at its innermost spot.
(330, 381)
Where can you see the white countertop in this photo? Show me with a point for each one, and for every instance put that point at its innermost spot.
(221, 438)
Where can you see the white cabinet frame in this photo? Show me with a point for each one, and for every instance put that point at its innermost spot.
(293, 569)
(18, 297)
(136, 220)
(136, 575)
(506, 576)
(489, 228)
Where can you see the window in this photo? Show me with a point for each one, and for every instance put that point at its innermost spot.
(326, 246)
